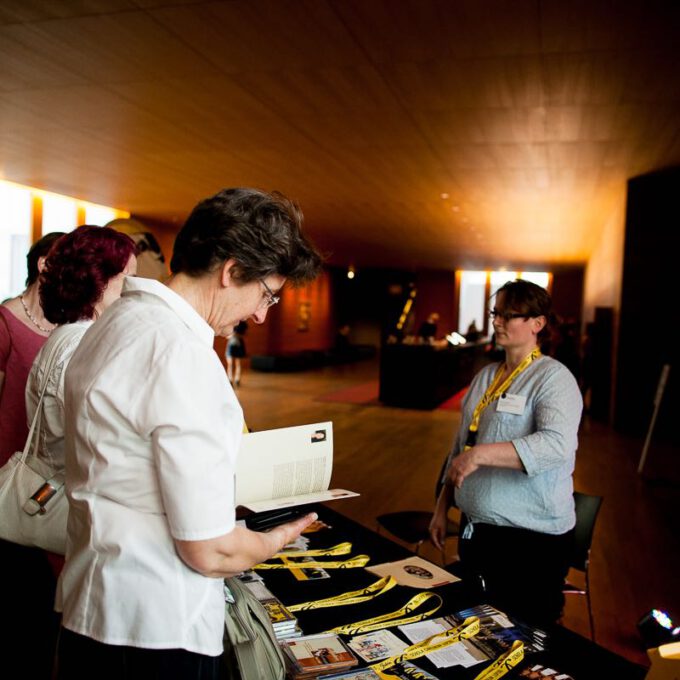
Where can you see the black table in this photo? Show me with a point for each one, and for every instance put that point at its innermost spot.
(565, 650)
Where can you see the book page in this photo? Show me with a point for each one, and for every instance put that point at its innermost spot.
(284, 463)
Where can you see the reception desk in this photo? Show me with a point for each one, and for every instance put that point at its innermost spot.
(424, 376)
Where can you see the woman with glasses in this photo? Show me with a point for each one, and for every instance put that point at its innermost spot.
(150, 464)
(510, 470)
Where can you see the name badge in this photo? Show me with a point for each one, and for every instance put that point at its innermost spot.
(511, 403)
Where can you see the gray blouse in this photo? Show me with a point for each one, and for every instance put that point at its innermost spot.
(545, 437)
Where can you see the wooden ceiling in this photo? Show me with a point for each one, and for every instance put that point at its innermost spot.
(413, 133)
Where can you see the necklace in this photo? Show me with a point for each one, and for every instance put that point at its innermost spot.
(33, 320)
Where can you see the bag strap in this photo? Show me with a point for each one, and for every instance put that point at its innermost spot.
(50, 364)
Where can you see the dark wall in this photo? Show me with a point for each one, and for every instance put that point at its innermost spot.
(645, 342)
(567, 293)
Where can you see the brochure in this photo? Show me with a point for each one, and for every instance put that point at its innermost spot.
(286, 467)
(414, 572)
(313, 655)
(377, 645)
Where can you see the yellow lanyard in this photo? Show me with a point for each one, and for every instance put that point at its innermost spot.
(504, 662)
(395, 618)
(358, 561)
(493, 392)
(352, 597)
(339, 549)
(434, 643)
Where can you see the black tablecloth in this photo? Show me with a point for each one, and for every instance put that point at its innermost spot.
(565, 651)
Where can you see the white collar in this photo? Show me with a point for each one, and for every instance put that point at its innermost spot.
(195, 322)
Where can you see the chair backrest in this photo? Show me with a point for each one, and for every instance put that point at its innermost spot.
(587, 508)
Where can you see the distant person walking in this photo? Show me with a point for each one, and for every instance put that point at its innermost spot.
(236, 350)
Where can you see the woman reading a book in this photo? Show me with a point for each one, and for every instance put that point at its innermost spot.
(150, 464)
(510, 470)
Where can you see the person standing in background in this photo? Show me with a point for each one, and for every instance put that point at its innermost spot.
(510, 470)
(236, 352)
(23, 331)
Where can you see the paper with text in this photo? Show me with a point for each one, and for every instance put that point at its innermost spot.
(286, 467)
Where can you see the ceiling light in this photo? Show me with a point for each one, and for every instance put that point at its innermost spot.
(444, 196)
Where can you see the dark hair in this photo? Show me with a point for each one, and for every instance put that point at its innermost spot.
(528, 298)
(77, 270)
(39, 249)
(260, 231)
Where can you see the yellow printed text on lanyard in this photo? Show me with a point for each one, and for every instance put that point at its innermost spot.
(352, 597)
(396, 618)
(503, 663)
(351, 563)
(339, 549)
(434, 643)
(493, 392)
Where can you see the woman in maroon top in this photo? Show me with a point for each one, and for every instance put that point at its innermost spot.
(23, 331)
(29, 621)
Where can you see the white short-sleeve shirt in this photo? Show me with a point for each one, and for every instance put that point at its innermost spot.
(152, 430)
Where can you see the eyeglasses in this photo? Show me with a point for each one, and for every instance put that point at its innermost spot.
(269, 299)
(506, 316)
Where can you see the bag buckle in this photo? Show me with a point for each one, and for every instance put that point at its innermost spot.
(36, 503)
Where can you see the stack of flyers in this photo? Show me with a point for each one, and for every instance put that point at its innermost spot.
(500, 631)
(314, 655)
(496, 636)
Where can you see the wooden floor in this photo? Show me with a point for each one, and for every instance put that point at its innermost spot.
(392, 456)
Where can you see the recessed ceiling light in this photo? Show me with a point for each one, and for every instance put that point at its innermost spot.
(444, 196)
(455, 208)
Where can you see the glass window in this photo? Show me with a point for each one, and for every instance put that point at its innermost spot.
(471, 301)
(99, 214)
(500, 278)
(541, 279)
(60, 213)
(15, 238)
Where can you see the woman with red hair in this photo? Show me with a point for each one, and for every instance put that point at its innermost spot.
(82, 275)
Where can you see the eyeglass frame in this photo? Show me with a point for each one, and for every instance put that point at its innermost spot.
(271, 299)
(507, 316)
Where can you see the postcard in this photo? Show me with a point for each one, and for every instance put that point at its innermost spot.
(414, 572)
(377, 645)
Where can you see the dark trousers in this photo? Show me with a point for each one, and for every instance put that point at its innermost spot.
(519, 571)
(30, 622)
(82, 658)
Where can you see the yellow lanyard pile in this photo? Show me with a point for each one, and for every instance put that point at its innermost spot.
(352, 597)
(395, 618)
(493, 392)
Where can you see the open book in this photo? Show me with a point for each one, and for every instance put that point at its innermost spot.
(286, 467)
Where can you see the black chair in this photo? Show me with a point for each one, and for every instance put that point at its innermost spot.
(587, 509)
(412, 526)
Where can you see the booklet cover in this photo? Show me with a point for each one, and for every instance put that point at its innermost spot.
(285, 467)
(414, 572)
(313, 655)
